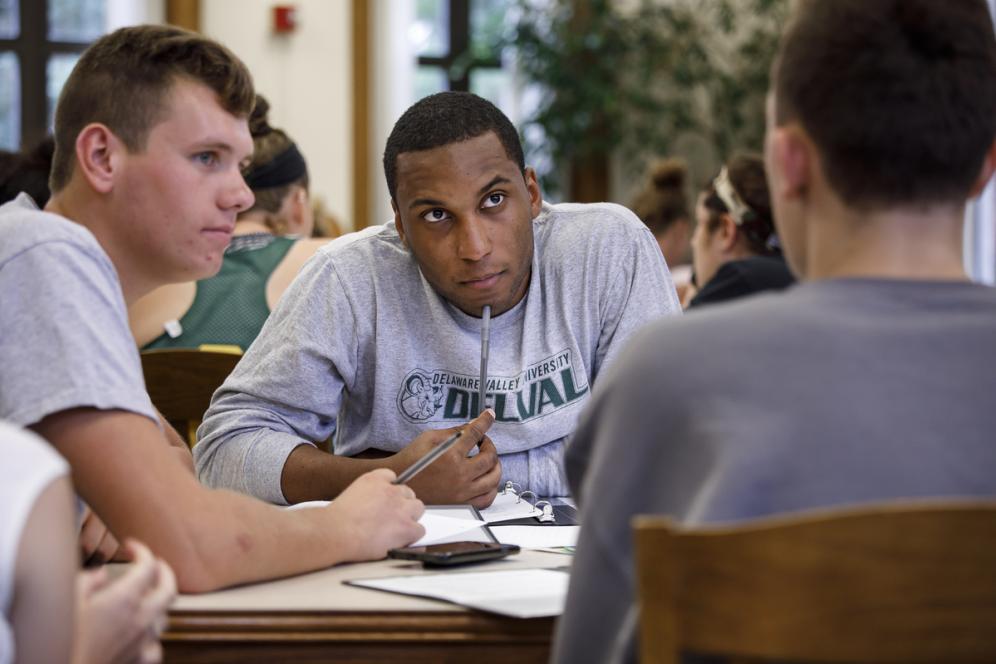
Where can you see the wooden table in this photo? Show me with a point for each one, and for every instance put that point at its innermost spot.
(315, 618)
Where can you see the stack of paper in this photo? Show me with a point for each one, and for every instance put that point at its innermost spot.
(537, 537)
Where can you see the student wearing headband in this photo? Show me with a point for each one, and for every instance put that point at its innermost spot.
(735, 250)
(272, 240)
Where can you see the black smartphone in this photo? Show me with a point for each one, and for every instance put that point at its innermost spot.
(454, 553)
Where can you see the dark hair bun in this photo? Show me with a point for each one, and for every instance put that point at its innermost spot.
(669, 174)
(259, 123)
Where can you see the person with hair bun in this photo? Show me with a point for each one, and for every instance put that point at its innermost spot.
(271, 241)
(663, 207)
(735, 249)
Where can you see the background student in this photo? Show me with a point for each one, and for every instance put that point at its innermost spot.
(663, 206)
(735, 247)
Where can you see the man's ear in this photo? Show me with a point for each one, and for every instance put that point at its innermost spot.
(988, 167)
(793, 158)
(397, 223)
(535, 195)
(96, 152)
(727, 232)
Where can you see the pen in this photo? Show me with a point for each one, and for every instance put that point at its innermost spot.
(433, 454)
(485, 338)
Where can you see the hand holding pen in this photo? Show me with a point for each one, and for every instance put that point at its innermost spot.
(453, 477)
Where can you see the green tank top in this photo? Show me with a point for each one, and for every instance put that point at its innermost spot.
(230, 307)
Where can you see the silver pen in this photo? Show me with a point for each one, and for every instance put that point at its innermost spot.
(433, 454)
(485, 339)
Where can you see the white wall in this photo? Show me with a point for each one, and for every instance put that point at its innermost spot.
(392, 71)
(307, 78)
(134, 12)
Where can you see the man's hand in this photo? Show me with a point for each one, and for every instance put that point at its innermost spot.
(97, 544)
(376, 515)
(455, 478)
(120, 620)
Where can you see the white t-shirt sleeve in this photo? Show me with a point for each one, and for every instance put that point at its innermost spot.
(29, 466)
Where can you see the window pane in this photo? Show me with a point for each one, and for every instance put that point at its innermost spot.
(493, 84)
(430, 33)
(10, 22)
(487, 25)
(430, 80)
(59, 67)
(10, 101)
(75, 20)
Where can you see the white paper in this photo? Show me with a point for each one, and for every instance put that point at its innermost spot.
(439, 528)
(308, 504)
(439, 525)
(520, 593)
(537, 537)
(508, 506)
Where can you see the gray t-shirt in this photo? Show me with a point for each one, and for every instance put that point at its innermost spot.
(841, 391)
(64, 337)
(363, 346)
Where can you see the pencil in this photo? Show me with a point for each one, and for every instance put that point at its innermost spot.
(485, 339)
(426, 459)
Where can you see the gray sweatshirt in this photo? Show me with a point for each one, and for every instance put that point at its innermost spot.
(362, 346)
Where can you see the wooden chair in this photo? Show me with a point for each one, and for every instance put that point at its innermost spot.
(912, 582)
(181, 382)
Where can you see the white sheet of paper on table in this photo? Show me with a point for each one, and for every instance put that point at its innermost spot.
(537, 537)
(439, 526)
(508, 506)
(522, 593)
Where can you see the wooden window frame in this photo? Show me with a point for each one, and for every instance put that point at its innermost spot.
(459, 45)
(33, 50)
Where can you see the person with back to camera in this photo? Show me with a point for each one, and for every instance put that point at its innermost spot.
(151, 133)
(872, 379)
(735, 248)
(663, 207)
(272, 240)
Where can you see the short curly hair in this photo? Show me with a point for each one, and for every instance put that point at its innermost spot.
(445, 118)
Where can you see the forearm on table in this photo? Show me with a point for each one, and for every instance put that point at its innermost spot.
(238, 539)
(311, 474)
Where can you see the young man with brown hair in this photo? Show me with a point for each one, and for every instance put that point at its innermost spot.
(151, 131)
(873, 379)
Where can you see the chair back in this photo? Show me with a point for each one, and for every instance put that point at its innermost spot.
(912, 582)
(181, 382)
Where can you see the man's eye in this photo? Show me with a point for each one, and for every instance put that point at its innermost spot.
(206, 158)
(435, 215)
(493, 200)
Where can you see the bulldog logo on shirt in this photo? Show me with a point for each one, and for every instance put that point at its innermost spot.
(541, 389)
(419, 398)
